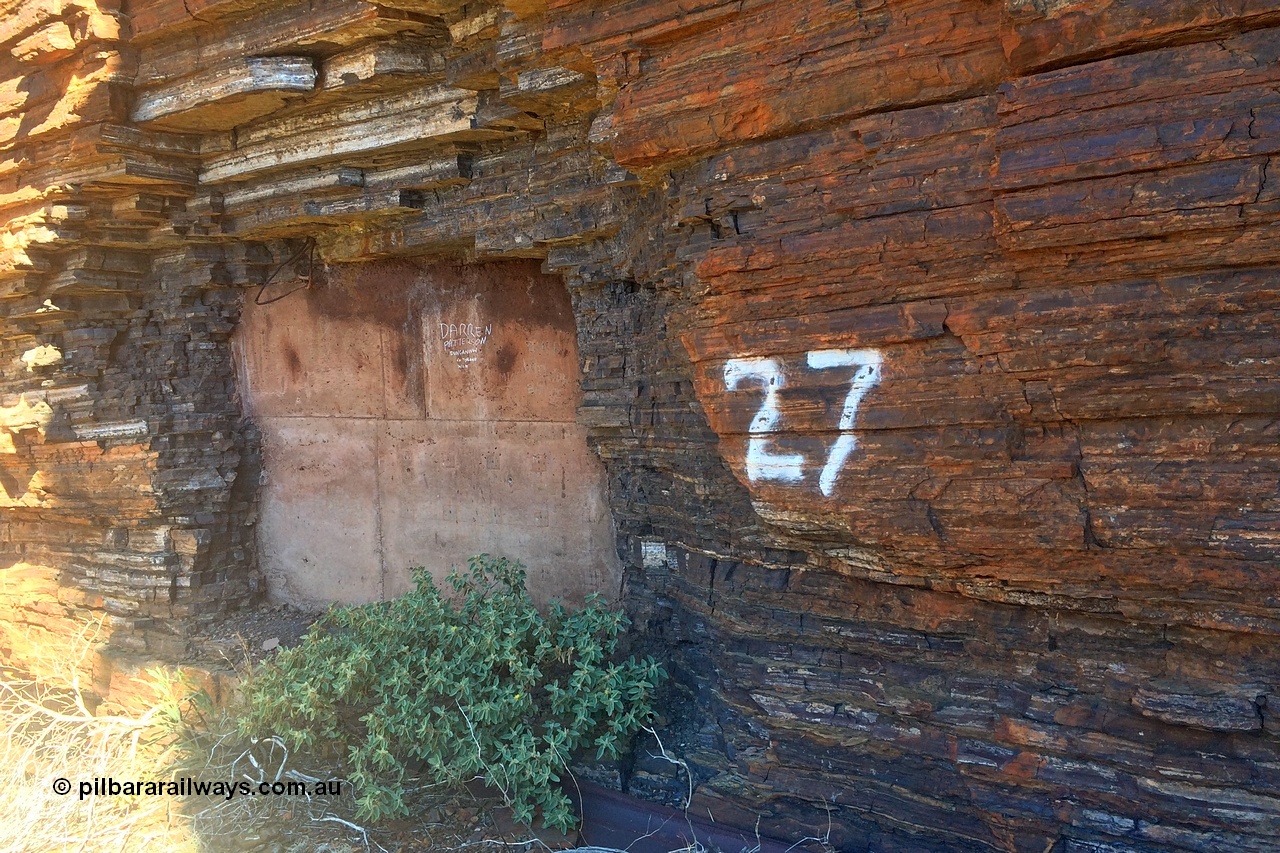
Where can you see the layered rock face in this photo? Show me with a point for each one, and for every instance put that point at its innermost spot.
(929, 347)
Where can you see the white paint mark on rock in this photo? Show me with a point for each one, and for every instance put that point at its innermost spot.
(789, 468)
(866, 376)
(761, 464)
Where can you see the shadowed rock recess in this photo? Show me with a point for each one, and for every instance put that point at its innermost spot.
(929, 347)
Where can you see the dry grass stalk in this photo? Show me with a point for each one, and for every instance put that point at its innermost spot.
(48, 732)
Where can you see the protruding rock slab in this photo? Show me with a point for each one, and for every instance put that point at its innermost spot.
(419, 118)
(226, 96)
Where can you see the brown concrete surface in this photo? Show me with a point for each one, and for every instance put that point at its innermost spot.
(417, 414)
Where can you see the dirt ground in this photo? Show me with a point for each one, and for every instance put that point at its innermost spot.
(249, 636)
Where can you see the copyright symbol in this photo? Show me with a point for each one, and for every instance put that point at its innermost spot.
(62, 786)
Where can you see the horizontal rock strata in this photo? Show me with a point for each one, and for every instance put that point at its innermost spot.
(930, 347)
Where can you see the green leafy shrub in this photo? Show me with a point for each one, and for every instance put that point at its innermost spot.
(485, 687)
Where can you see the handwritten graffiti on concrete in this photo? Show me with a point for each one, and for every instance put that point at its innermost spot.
(464, 340)
(763, 464)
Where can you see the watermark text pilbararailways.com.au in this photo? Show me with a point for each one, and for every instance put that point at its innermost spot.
(188, 786)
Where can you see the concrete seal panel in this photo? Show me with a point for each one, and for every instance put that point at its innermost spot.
(418, 413)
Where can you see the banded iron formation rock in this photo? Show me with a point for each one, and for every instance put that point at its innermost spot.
(930, 347)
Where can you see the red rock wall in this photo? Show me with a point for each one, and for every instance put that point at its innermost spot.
(929, 347)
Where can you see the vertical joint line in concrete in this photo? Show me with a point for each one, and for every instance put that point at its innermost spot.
(377, 469)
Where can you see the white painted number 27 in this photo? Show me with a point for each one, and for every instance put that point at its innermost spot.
(764, 465)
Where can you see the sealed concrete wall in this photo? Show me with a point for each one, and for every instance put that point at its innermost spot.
(417, 414)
